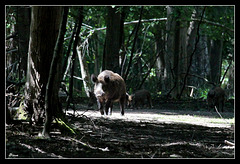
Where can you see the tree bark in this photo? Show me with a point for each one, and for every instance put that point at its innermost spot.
(173, 50)
(215, 60)
(84, 69)
(170, 25)
(67, 60)
(112, 46)
(79, 24)
(52, 108)
(191, 56)
(44, 29)
(23, 30)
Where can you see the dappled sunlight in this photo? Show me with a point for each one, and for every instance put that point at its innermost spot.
(209, 119)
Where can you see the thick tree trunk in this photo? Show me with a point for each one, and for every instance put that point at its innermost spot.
(215, 60)
(44, 29)
(173, 49)
(188, 36)
(23, 29)
(112, 46)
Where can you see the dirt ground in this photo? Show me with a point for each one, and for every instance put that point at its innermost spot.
(140, 133)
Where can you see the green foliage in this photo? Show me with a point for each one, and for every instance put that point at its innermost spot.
(145, 50)
(202, 93)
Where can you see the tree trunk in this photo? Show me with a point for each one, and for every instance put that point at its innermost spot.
(84, 70)
(52, 108)
(176, 57)
(216, 60)
(67, 60)
(188, 38)
(78, 24)
(44, 29)
(170, 25)
(160, 62)
(23, 29)
(134, 42)
(191, 56)
(173, 49)
(112, 46)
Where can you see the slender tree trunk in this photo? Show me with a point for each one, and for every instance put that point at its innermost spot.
(170, 25)
(79, 24)
(52, 108)
(160, 62)
(134, 42)
(176, 57)
(84, 69)
(67, 60)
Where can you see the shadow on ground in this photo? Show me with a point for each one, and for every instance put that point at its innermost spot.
(105, 137)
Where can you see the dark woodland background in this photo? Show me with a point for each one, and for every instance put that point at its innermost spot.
(177, 53)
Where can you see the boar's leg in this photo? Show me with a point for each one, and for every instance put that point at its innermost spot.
(108, 107)
(122, 102)
(100, 107)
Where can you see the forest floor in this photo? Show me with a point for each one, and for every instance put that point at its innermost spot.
(161, 132)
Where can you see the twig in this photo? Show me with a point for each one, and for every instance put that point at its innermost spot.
(220, 115)
(88, 118)
(229, 143)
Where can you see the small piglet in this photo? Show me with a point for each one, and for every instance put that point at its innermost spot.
(139, 97)
(216, 97)
(109, 87)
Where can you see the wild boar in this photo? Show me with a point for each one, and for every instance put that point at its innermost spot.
(139, 97)
(216, 97)
(109, 88)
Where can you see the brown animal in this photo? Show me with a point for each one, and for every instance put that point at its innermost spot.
(109, 87)
(139, 97)
(216, 98)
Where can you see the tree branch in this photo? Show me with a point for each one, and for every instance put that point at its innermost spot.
(134, 42)
(165, 19)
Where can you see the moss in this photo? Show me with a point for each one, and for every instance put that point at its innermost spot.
(65, 127)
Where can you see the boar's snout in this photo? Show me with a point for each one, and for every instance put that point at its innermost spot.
(99, 93)
(99, 90)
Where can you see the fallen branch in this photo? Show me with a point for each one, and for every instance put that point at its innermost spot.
(229, 143)
(165, 19)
